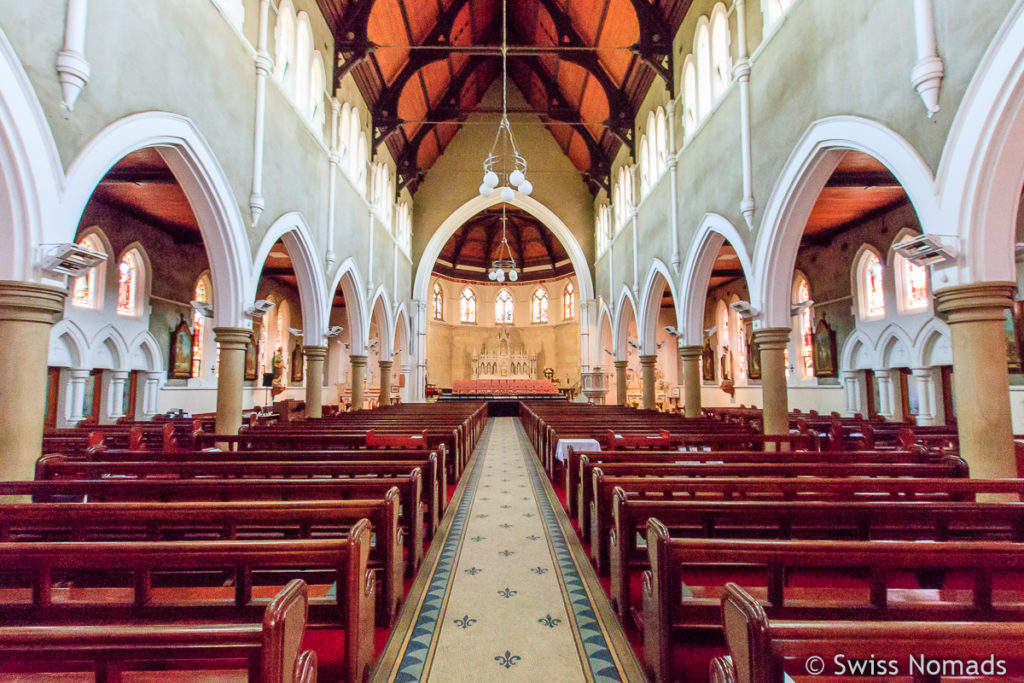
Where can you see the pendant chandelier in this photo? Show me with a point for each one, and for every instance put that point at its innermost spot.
(501, 265)
(504, 157)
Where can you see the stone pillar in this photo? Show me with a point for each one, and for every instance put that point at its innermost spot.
(385, 382)
(691, 379)
(315, 357)
(76, 395)
(886, 407)
(647, 364)
(773, 342)
(974, 314)
(232, 342)
(851, 391)
(114, 400)
(358, 377)
(27, 314)
(620, 382)
(923, 377)
(150, 395)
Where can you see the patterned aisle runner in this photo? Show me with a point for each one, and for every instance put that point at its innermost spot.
(506, 591)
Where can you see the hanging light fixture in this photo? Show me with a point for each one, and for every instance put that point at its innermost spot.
(504, 151)
(503, 266)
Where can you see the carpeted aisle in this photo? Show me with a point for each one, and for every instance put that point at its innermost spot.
(506, 591)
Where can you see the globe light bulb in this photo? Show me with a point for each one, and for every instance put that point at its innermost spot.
(486, 191)
(491, 179)
(501, 276)
(525, 188)
(516, 178)
(507, 194)
(513, 275)
(492, 275)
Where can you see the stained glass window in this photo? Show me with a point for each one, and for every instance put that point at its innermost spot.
(569, 302)
(871, 289)
(467, 306)
(128, 284)
(438, 302)
(503, 306)
(915, 285)
(803, 293)
(84, 290)
(202, 294)
(539, 306)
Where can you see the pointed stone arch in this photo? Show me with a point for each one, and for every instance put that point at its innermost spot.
(293, 230)
(658, 278)
(200, 175)
(712, 233)
(625, 311)
(801, 181)
(351, 282)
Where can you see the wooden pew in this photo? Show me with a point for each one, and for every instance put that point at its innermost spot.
(165, 490)
(822, 581)
(945, 467)
(573, 469)
(817, 520)
(270, 650)
(105, 522)
(132, 593)
(105, 455)
(56, 467)
(764, 649)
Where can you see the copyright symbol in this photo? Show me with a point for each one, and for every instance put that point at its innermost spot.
(815, 665)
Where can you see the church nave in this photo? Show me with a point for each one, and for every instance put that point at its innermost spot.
(507, 590)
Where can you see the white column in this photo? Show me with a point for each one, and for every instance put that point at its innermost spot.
(334, 158)
(149, 394)
(851, 390)
(924, 379)
(113, 399)
(927, 74)
(886, 407)
(263, 67)
(673, 163)
(417, 392)
(72, 67)
(635, 222)
(585, 309)
(75, 409)
(742, 73)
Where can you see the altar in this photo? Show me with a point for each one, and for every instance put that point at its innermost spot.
(504, 362)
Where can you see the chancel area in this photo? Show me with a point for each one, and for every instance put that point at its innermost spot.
(456, 340)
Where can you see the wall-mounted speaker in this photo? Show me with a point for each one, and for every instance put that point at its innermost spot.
(268, 379)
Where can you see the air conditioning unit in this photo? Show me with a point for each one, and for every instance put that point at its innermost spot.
(202, 308)
(799, 308)
(72, 259)
(924, 250)
(743, 309)
(333, 331)
(260, 308)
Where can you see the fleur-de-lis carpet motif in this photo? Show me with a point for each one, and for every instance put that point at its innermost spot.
(465, 622)
(478, 554)
(549, 621)
(508, 659)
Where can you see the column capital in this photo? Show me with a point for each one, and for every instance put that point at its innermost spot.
(386, 364)
(974, 303)
(772, 338)
(925, 373)
(621, 364)
(30, 302)
(236, 338)
(691, 352)
(648, 359)
(358, 361)
(314, 352)
(79, 374)
(882, 374)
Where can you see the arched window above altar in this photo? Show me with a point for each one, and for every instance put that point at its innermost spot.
(569, 302)
(467, 306)
(503, 307)
(539, 305)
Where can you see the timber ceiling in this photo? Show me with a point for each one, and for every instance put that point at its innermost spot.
(469, 252)
(583, 66)
(143, 187)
